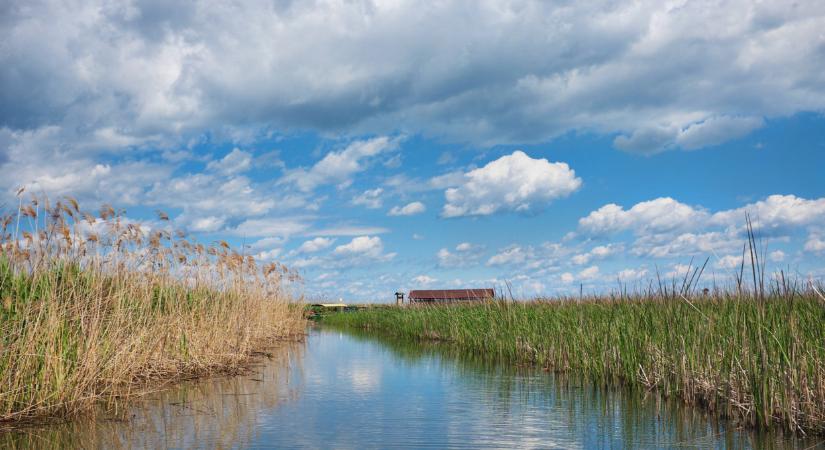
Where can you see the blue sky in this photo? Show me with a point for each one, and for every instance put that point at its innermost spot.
(385, 145)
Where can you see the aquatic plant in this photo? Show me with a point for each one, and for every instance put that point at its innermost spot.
(755, 355)
(95, 306)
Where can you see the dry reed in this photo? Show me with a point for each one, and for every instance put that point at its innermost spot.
(95, 307)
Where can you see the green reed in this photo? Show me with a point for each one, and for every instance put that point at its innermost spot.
(759, 360)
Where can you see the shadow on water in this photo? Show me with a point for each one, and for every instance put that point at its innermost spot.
(349, 389)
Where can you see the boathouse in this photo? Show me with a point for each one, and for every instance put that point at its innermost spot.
(450, 295)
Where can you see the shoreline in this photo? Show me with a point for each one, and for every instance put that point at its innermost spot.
(143, 388)
(647, 343)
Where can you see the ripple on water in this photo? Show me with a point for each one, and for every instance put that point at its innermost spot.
(344, 391)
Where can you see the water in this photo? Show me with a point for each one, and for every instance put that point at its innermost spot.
(347, 391)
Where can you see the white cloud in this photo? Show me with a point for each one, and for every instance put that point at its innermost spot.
(236, 161)
(598, 252)
(513, 254)
(815, 244)
(704, 133)
(338, 167)
(209, 195)
(348, 230)
(361, 245)
(729, 262)
(269, 255)
(314, 245)
(513, 182)
(466, 254)
(409, 209)
(141, 69)
(631, 274)
(271, 227)
(647, 140)
(268, 243)
(667, 228)
(207, 224)
(776, 256)
(777, 212)
(424, 279)
(716, 130)
(370, 198)
(589, 273)
(464, 247)
(668, 245)
(679, 270)
(360, 251)
(655, 216)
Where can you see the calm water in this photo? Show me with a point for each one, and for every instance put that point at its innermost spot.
(340, 390)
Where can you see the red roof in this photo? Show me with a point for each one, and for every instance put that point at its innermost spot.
(452, 294)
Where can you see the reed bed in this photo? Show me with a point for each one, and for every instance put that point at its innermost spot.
(97, 307)
(756, 358)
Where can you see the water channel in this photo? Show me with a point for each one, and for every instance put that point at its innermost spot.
(350, 391)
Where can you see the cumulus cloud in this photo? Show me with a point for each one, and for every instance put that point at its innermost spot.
(665, 227)
(338, 167)
(716, 130)
(683, 244)
(631, 274)
(776, 213)
(348, 230)
(268, 255)
(654, 216)
(410, 209)
(362, 245)
(815, 244)
(776, 256)
(598, 252)
(589, 273)
(465, 254)
(143, 68)
(512, 254)
(214, 198)
(314, 245)
(234, 162)
(271, 227)
(371, 198)
(464, 247)
(360, 251)
(729, 262)
(513, 182)
(707, 132)
(424, 280)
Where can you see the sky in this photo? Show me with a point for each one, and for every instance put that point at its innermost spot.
(554, 147)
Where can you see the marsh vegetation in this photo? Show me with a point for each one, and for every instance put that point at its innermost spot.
(97, 307)
(756, 358)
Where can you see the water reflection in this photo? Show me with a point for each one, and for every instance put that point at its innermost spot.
(218, 413)
(350, 390)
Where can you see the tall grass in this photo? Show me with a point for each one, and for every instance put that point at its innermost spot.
(755, 357)
(95, 307)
